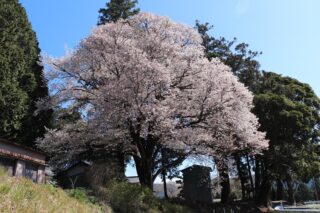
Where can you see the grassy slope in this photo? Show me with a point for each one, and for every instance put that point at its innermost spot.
(21, 195)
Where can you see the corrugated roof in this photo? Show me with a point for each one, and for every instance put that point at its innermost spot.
(22, 146)
(18, 151)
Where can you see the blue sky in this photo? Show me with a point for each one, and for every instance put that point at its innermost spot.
(286, 31)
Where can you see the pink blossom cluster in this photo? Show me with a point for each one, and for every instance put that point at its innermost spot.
(146, 80)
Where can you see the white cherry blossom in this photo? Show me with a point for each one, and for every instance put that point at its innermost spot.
(144, 83)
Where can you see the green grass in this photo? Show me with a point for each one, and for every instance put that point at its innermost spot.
(21, 195)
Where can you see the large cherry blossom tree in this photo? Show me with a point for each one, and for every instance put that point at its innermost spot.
(144, 83)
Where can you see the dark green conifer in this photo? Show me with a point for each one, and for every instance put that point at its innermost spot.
(21, 82)
(117, 9)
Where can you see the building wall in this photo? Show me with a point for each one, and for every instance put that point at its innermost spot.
(21, 153)
(75, 177)
(19, 169)
(8, 164)
(22, 161)
(197, 184)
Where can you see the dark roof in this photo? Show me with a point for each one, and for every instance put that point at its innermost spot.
(76, 163)
(21, 152)
(196, 167)
(20, 145)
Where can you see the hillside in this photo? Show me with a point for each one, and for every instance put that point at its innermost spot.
(21, 195)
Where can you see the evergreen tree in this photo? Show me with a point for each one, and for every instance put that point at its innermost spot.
(237, 56)
(117, 9)
(288, 111)
(21, 83)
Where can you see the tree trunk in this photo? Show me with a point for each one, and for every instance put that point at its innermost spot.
(280, 190)
(224, 181)
(257, 177)
(316, 190)
(250, 176)
(163, 159)
(241, 175)
(144, 159)
(264, 197)
(290, 183)
(144, 171)
(165, 185)
(121, 163)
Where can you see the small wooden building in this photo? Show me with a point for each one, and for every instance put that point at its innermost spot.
(22, 161)
(197, 184)
(76, 175)
(87, 174)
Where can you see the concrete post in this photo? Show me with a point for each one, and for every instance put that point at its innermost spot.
(20, 168)
(41, 174)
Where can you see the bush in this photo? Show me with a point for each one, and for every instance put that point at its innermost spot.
(132, 198)
(125, 197)
(79, 194)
